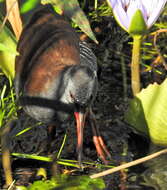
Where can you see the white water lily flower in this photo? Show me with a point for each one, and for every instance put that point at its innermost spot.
(124, 11)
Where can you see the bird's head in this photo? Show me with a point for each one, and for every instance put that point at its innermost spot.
(82, 86)
(80, 92)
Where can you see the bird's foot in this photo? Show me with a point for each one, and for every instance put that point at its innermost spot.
(101, 148)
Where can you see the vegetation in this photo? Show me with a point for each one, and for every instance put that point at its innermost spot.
(149, 105)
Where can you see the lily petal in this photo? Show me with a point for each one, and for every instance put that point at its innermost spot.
(133, 7)
(125, 3)
(149, 5)
(121, 15)
(112, 2)
(143, 9)
(124, 11)
(156, 11)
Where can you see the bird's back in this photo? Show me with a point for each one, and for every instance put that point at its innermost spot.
(48, 48)
(47, 45)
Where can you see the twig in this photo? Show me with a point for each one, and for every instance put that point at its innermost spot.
(156, 47)
(158, 31)
(11, 185)
(127, 165)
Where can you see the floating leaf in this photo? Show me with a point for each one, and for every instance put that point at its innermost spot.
(7, 58)
(148, 112)
(72, 10)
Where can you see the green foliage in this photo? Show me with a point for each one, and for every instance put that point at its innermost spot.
(7, 105)
(161, 25)
(8, 42)
(29, 5)
(65, 182)
(72, 10)
(64, 162)
(7, 51)
(148, 112)
(102, 10)
(21, 188)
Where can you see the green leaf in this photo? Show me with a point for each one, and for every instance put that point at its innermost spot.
(7, 51)
(147, 112)
(65, 182)
(137, 25)
(42, 185)
(42, 172)
(21, 188)
(72, 10)
(29, 5)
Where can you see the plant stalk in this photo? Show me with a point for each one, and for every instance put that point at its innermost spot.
(135, 64)
(6, 160)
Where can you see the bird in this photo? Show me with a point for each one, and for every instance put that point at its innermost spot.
(56, 75)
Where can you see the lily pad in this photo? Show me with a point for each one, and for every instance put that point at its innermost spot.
(147, 113)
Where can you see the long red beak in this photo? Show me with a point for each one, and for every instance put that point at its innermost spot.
(80, 121)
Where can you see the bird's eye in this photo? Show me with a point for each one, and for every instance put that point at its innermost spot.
(72, 97)
(91, 97)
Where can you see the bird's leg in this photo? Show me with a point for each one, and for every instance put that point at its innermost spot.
(51, 134)
(80, 120)
(97, 139)
(51, 130)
